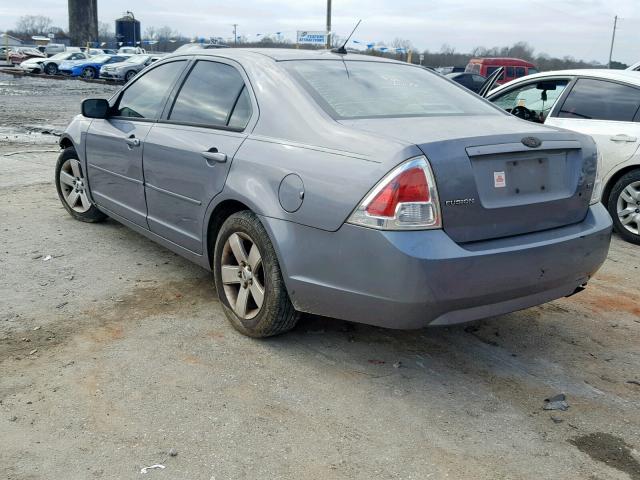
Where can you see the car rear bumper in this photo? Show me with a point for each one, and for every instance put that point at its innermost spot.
(415, 279)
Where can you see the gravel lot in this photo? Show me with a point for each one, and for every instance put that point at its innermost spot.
(113, 351)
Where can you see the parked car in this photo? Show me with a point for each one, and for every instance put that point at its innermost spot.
(448, 70)
(128, 69)
(513, 68)
(54, 48)
(472, 81)
(131, 51)
(17, 55)
(50, 65)
(635, 67)
(362, 188)
(602, 103)
(89, 68)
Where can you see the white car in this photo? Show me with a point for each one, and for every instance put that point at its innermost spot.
(50, 65)
(602, 103)
(131, 50)
(635, 67)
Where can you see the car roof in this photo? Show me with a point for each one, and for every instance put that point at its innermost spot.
(622, 75)
(603, 74)
(282, 54)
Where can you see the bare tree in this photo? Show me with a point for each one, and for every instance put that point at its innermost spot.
(29, 25)
(402, 43)
(105, 32)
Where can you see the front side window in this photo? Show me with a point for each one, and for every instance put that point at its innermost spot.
(146, 97)
(209, 95)
(363, 89)
(601, 100)
(538, 97)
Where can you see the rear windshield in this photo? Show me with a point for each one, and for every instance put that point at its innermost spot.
(361, 89)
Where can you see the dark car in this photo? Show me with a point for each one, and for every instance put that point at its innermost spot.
(472, 81)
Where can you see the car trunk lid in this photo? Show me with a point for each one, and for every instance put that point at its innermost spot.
(527, 179)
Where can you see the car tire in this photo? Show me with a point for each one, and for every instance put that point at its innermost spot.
(252, 292)
(51, 69)
(71, 185)
(88, 73)
(624, 206)
(129, 75)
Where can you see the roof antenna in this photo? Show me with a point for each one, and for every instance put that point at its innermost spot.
(342, 50)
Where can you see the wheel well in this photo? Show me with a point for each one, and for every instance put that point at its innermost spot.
(222, 211)
(66, 143)
(612, 181)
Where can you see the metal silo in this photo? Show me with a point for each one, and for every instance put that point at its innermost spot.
(128, 30)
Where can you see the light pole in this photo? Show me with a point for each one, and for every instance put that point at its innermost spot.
(328, 23)
(613, 38)
(235, 33)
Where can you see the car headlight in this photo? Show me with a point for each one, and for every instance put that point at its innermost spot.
(597, 185)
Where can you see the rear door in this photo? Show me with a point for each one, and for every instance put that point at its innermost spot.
(608, 111)
(188, 153)
(114, 145)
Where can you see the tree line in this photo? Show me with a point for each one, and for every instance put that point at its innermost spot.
(166, 39)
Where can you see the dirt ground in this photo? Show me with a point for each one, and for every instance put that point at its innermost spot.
(115, 353)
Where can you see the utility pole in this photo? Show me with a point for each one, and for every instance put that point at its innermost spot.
(235, 33)
(613, 38)
(328, 23)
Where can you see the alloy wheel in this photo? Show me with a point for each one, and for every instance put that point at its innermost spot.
(628, 207)
(243, 275)
(73, 186)
(88, 73)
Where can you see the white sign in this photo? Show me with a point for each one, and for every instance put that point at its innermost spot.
(499, 179)
(51, 36)
(312, 38)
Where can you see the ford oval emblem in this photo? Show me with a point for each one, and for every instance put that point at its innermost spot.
(531, 142)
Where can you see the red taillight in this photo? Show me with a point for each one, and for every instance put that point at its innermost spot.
(409, 187)
(405, 199)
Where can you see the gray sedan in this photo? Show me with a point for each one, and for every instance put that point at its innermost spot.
(125, 71)
(341, 185)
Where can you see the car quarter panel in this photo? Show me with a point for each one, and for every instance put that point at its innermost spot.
(333, 182)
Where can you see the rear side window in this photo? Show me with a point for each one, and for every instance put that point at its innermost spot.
(510, 72)
(209, 95)
(146, 97)
(601, 100)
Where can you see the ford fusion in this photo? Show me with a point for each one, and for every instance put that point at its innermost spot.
(346, 186)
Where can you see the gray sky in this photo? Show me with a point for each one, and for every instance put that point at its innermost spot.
(580, 28)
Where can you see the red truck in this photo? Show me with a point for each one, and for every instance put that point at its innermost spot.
(513, 68)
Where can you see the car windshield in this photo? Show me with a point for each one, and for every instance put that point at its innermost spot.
(365, 89)
(138, 59)
(100, 58)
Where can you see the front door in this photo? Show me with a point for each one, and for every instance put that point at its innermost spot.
(188, 153)
(114, 146)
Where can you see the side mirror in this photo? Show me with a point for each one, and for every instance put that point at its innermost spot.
(95, 108)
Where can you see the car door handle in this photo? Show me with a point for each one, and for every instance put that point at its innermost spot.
(132, 141)
(623, 138)
(214, 155)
